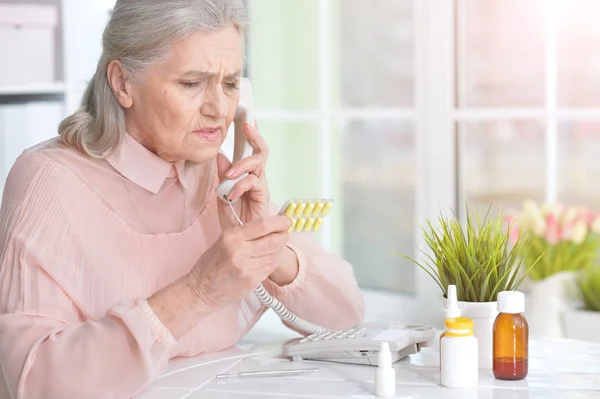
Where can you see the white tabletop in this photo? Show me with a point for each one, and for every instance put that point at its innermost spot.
(558, 369)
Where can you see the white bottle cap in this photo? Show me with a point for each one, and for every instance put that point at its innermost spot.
(511, 302)
(451, 309)
(385, 356)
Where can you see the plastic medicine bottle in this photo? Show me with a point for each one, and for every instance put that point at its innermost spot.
(451, 310)
(511, 337)
(459, 354)
(385, 375)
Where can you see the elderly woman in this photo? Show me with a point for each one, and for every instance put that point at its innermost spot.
(116, 254)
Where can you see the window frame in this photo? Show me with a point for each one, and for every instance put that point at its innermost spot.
(435, 115)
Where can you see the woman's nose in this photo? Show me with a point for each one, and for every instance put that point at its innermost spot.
(215, 105)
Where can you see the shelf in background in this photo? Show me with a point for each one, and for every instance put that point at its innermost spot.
(33, 89)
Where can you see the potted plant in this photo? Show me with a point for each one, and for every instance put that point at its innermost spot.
(583, 322)
(567, 240)
(480, 261)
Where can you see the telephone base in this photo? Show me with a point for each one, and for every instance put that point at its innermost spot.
(368, 357)
(360, 345)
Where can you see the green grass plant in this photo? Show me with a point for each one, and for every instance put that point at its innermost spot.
(478, 259)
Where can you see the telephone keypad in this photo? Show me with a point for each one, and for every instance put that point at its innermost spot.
(350, 333)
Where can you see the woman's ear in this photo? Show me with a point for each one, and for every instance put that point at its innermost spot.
(119, 83)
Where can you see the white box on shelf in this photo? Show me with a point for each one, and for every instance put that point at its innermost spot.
(27, 44)
(13, 127)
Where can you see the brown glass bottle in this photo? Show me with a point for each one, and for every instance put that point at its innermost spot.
(511, 338)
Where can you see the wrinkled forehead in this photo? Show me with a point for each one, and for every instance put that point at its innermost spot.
(219, 53)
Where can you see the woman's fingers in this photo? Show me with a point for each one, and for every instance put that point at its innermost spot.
(256, 140)
(255, 163)
(249, 184)
(269, 245)
(263, 227)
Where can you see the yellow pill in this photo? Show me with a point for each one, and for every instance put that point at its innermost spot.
(300, 208)
(290, 209)
(326, 208)
(300, 224)
(309, 208)
(309, 224)
(291, 228)
(318, 224)
(318, 208)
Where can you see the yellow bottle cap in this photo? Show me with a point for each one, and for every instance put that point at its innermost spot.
(459, 327)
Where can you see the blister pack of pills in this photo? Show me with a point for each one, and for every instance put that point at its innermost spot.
(306, 215)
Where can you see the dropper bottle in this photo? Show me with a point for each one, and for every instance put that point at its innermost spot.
(451, 311)
(385, 375)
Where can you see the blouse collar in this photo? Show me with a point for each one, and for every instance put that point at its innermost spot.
(144, 168)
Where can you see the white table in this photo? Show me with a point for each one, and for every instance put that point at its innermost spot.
(558, 369)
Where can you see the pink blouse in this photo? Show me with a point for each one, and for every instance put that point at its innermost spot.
(84, 242)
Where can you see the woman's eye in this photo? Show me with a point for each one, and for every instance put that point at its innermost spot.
(190, 85)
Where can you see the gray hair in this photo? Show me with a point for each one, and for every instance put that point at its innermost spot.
(138, 34)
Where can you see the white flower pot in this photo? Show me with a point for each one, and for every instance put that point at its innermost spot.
(483, 315)
(581, 325)
(547, 300)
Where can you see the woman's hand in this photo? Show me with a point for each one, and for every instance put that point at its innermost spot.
(252, 190)
(239, 260)
(254, 199)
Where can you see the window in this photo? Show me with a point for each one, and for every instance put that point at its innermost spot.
(527, 101)
(402, 110)
(336, 104)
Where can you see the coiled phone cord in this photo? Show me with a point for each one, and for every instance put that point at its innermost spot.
(279, 309)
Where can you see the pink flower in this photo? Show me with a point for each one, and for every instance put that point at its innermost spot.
(584, 215)
(552, 229)
(555, 209)
(566, 231)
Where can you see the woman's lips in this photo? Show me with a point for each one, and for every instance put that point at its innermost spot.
(211, 134)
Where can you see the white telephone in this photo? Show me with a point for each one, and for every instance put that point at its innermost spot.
(356, 345)
(360, 345)
(241, 147)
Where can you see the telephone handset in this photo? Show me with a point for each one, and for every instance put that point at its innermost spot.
(307, 216)
(241, 148)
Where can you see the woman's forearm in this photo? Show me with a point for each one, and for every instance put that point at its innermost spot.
(117, 355)
(178, 306)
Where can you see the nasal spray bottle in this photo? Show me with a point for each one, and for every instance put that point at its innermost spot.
(451, 311)
(385, 375)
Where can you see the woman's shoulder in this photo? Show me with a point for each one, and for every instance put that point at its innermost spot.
(42, 170)
(54, 151)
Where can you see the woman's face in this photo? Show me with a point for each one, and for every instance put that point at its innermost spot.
(181, 108)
